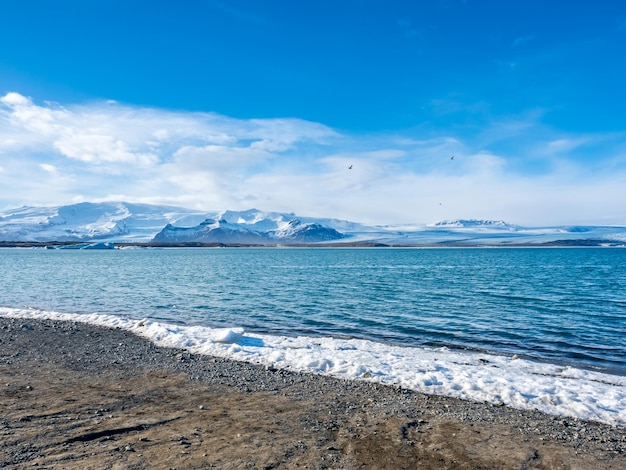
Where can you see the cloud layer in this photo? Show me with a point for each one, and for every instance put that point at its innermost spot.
(512, 168)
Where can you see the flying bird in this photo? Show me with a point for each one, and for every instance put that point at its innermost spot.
(452, 157)
(350, 167)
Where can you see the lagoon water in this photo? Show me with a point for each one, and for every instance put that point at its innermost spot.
(384, 314)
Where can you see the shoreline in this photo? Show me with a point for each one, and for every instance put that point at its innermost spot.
(76, 395)
(108, 244)
(481, 376)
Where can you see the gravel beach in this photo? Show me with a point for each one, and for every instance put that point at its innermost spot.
(73, 395)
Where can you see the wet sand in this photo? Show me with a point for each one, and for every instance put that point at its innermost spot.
(77, 396)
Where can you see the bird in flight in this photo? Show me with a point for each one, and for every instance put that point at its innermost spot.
(452, 157)
(350, 167)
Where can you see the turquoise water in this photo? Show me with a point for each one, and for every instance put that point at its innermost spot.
(566, 306)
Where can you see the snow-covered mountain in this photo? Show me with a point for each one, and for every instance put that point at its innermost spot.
(123, 222)
(222, 231)
(473, 224)
(92, 221)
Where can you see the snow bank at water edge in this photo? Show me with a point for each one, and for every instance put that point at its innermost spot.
(518, 383)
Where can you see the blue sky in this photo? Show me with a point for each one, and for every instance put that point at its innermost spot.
(239, 104)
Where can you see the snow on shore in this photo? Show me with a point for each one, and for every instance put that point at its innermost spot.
(514, 382)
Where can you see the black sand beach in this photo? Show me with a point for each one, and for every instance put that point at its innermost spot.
(78, 396)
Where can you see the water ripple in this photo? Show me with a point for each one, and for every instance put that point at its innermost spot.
(561, 305)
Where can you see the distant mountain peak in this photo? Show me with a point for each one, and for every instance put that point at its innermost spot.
(295, 231)
(472, 223)
(239, 230)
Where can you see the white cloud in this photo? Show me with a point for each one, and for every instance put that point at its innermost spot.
(485, 164)
(15, 99)
(95, 148)
(218, 157)
(565, 145)
(111, 133)
(47, 167)
(513, 168)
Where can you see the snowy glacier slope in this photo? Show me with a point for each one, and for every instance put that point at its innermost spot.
(92, 221)
(127, 222)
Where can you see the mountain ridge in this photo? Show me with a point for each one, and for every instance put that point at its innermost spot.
(124, 222)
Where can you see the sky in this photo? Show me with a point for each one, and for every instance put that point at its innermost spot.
(379, 112)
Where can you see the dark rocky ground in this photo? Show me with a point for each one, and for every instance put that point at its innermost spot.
(78, 396)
